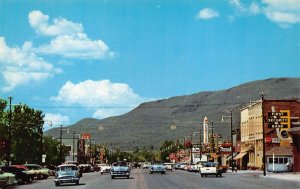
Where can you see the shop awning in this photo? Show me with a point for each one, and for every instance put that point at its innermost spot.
(229, 157)
(240, 155)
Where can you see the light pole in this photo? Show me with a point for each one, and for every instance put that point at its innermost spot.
(74, 134)
(231, 138)
(263, 138)
(9, 131)
(60, 138)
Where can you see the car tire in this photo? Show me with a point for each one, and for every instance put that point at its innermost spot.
(217, 175)
(220, 175)
(202, 175)
(77, 182)
(127, 177)
(112, 177)
(57, 184)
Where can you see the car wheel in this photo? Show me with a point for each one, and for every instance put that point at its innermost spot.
(77, 182)
(220, 175)
(202, 175)
(57, 184)
(127, 177)
(112, 177)
(217, 175)
(101, 173)
(205, 175)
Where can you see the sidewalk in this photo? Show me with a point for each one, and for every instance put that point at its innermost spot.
(292, 176)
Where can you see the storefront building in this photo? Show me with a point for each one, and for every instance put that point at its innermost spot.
(281, 120)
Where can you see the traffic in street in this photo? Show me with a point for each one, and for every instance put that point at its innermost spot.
(176, 179)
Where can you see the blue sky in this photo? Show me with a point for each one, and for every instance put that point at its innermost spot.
(75, 59)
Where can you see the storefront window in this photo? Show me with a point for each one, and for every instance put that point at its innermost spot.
(270, 160)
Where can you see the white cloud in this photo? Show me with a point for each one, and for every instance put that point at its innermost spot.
(55, 120)
(60, 26)
(207, 13)
(69, 40)
(284, 13)
(19, 67)
(108, 98)
(238, 5)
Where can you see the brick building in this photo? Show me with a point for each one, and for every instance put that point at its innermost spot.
(281, 130)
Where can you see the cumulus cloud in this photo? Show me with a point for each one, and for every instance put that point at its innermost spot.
(207, 13)
(284, 13)
(55, 120)
(19, 66)
(69, 40)
(108, 98)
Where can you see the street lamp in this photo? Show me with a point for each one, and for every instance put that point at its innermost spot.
(60, 138)
(9, 131)
(74, 134)
(231, 138)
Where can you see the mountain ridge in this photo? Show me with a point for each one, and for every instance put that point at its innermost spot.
(150, 123)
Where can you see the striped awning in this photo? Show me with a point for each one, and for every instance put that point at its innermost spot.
(240, 155)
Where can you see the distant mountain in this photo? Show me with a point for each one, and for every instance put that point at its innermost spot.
(153, 122)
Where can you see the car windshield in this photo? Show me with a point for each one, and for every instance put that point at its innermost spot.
(68, 168)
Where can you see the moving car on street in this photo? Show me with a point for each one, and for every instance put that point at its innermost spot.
(211, 168)
(104, 168)
(66, 174)
(120, 169)
(157, 168)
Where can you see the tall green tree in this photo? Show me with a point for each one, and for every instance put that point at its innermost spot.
(26, 134)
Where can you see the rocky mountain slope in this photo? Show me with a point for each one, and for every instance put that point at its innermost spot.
(169, 119)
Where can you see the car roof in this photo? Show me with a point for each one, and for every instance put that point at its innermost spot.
(67, 165)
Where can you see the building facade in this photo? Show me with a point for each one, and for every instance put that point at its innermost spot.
(280, 119)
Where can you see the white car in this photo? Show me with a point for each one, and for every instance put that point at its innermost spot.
(104, 168)
(169, 166)
(211, 168)
(146, 165)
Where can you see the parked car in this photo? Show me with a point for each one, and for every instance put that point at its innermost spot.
(169, 166)
(66, 174)
(211, 168)
(21, 173)
(7, 179)
(157, 168)
(120, 169)
(39, 171)
(86, 168)
(104, 168)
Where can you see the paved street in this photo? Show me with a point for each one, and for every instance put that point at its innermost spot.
(141, 179)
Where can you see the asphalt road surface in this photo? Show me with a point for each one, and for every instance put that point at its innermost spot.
(141, 179)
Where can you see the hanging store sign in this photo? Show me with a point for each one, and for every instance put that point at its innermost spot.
(279, 119)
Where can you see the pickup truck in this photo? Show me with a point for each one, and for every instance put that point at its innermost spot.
(211, 168)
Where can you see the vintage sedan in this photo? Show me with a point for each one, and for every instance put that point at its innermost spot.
(211, 168)
(120, 169)
(7, 179)
(66, 174)
(157, 168)
(20, 172)
(39, 171)
(104, 168)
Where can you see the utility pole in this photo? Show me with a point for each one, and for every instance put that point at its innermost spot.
(74, 145)
(263, 130)
(60, 146)
(9, 131)
(232, 169)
